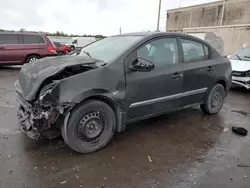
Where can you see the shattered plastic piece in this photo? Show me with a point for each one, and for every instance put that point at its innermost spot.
(149, 159)
(245, 177)
(240, 131)
(240, 112)
(5, 137)
(63, 182)
(243, 165)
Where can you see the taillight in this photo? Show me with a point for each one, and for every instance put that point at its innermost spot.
(51, 48)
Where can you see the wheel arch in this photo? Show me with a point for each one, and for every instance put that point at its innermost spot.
(223, 82)
(119, 113)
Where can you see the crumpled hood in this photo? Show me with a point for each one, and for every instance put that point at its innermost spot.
(240, 66)
(32, 75)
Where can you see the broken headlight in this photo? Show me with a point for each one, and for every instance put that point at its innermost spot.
(45, 93)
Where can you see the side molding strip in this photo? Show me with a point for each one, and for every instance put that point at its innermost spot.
(170, 97)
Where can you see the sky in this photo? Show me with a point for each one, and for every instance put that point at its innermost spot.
(87, 16)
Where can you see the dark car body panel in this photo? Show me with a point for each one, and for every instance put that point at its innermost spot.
(16, 54)
(132, 94)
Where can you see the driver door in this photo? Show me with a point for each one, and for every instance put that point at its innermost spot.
(159, 90)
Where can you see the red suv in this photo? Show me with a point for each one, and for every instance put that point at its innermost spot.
(17, 48)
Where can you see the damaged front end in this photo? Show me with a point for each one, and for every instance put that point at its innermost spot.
(41, 111)
(241, 79)
(40, 118)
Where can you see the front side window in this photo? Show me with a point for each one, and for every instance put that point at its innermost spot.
(74, 41)
(8, 39)
(109, 48)
(33, 39)
(243, 55)
(194, 51)
(160, 52)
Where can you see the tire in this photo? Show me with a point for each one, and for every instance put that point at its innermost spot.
(60, 53)
(73, 48)
(32, 58)
(214, 100)
(80, 132)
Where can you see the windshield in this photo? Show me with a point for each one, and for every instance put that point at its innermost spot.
(243, 54)
(110, 48)
(70, 41)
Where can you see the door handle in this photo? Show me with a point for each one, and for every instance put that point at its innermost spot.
(210, 69)
(177, 75)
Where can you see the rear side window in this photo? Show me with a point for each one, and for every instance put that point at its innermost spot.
(8, 39)
(194, 51)
(33, 39)
(57, 44)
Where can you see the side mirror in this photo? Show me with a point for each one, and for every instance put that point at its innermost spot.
(142, 65)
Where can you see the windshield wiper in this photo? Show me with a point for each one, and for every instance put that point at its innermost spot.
(88, 54)
(238, 57)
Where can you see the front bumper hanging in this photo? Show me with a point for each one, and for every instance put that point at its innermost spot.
(241, 81)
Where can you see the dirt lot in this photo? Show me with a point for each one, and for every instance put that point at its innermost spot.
(179, 150)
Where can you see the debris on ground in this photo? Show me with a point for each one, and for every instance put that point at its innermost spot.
(240, 131)
(63, 182)
(149, 159)
(225, 130)
(240, 112)
(243, 165)
(12, 171)
(5, 137)
(221, 149)
(9, 156)
(245, 177)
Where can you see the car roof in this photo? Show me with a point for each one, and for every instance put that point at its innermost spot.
(146, 34)
(20, 33)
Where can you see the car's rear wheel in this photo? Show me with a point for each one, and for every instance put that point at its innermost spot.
(214, 100)
(60, 53)
(32, 58)
(90, 127)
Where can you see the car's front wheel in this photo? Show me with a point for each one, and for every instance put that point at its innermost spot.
(214, 100)
(90, 126)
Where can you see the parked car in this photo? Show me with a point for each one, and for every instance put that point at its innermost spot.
(17, 48)
(241, 68)
(78, 42)
(62, 49)
(116, 81)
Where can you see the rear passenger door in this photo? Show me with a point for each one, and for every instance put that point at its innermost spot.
(9, 48)
(199, 71)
